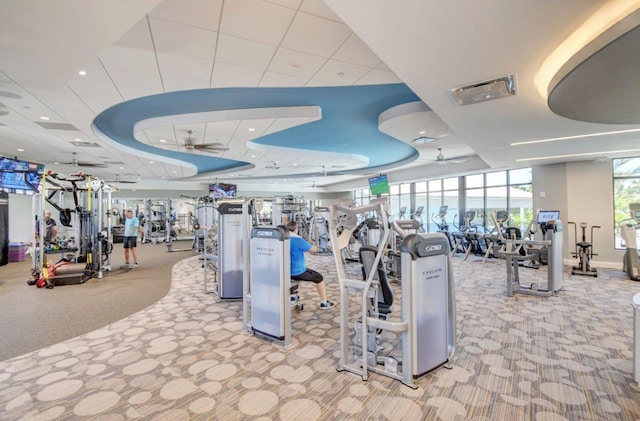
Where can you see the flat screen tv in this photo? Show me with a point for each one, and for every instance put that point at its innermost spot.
(546, 216)
(219, 190)
(20, 177)
(379, 185)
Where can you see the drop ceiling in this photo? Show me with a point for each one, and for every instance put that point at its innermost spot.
(133, 50)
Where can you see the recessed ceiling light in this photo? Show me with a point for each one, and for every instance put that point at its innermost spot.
(44, 117)
(122, 168)
(251, 129)
(163, 140)
(252, 156)
(82, 72)
(151, 162)
(56, 163)
(295, 164)
(174, 171)
(422, 132)
(20, 150)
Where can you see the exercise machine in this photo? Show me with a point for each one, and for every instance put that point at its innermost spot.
(267, 300)
(76, 259)
(440, 219)
(584, 251)
(231, 234)
(629, 232)
(320, 228)
(552, 229)
(495, 239)
(423, 339)
(400, 230)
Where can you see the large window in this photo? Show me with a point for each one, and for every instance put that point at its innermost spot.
(626, 190)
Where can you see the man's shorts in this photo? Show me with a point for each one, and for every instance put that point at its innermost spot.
(129, 242)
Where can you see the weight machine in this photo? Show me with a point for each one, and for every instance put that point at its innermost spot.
(424, 338)
(584, 251)
(82, 256)
(512, 251)
(267, 298)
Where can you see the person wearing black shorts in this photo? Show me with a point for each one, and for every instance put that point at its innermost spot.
(299, 270)
(131, 225)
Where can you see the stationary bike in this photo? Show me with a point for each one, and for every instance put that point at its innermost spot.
(584, 251)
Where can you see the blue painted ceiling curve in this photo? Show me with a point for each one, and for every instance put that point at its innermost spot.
(349, 122)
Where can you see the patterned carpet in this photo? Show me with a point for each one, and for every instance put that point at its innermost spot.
(566, 357)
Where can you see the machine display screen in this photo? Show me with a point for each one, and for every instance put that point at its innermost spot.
(546, 216)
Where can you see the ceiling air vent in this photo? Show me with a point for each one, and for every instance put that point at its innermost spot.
(484, 91)
(85, 144)
(56, 126)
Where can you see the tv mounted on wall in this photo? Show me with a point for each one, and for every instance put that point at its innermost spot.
(20, 177)
(379, 185)
(219, 190)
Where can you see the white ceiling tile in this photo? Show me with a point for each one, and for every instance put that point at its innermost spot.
(174, 83)
(204, 14)
(338, 73)
(256, 20)
(296, 64)
(319, 8)
(221, 130)
(190, 67)
(378, 77)
(242, 52)
(315, 35)
(137, 37)
(231, 75)
(291, 4)
(355, 51)
(184, 40)
(130, 58)
(126, 77)
(271, 79)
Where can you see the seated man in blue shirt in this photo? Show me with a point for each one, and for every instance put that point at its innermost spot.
(299, 271)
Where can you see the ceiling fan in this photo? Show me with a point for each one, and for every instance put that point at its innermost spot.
(77, 163)
(190, 144)
(273, 166)
(440, 159)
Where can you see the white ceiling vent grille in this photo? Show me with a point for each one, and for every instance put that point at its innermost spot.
(484, 91)
(85, 144)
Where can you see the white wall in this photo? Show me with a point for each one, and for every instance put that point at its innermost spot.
(582, 192)
(21, 219)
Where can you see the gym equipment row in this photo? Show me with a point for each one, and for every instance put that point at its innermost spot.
(424, 337)
(584, 251)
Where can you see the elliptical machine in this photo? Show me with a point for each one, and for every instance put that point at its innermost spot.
(628, 230)
(442, 225)
(584, 251)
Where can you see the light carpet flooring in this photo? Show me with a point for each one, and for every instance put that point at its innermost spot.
(566, 357)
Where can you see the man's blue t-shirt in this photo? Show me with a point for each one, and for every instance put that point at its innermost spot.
(298, 246)
(131, 227)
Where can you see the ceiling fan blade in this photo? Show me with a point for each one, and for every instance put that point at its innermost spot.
(210, 147)
(121, 181)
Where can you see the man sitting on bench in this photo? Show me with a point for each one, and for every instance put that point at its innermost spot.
(299, 271)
